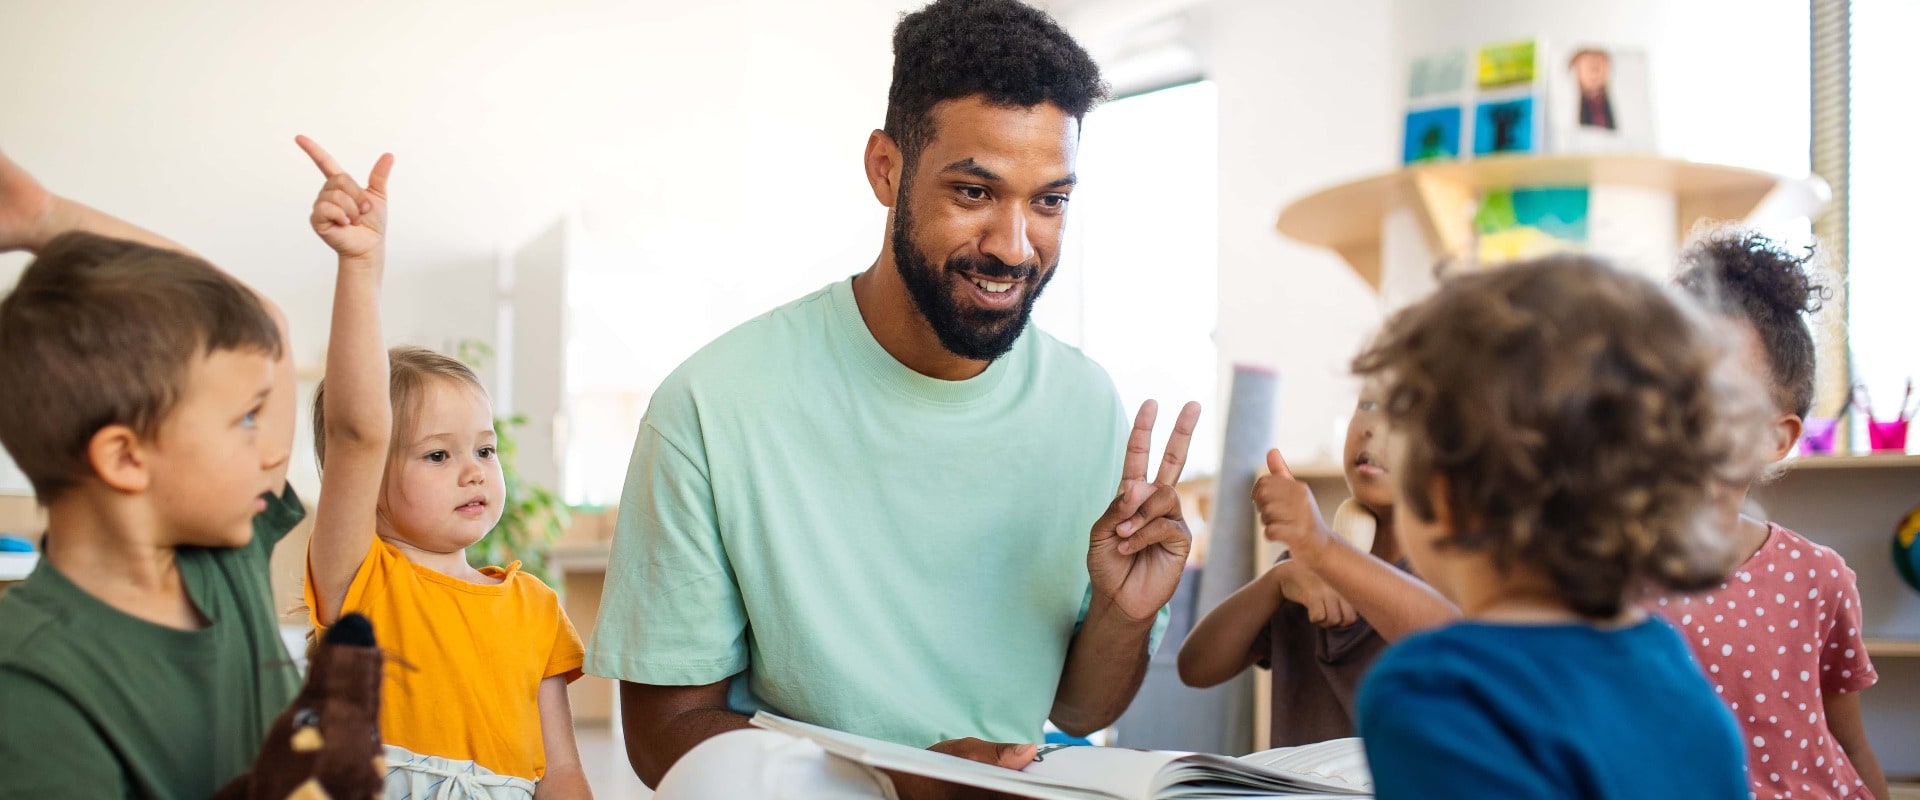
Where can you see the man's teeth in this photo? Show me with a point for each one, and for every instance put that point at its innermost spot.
(992, 286)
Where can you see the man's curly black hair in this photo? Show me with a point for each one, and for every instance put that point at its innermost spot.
(1012, 53)
(1748, 276)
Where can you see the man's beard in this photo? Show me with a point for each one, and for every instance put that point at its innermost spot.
(972, 333)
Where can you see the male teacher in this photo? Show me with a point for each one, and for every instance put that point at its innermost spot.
(890, 507)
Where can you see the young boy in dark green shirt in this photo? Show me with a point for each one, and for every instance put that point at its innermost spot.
(148, 397)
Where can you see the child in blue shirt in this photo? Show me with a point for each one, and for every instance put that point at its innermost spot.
(1556, 429)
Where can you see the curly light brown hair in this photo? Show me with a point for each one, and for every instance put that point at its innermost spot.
(1579, 418)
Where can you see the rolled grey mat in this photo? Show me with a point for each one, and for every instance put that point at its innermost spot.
(1250, 417)
(1167, 715)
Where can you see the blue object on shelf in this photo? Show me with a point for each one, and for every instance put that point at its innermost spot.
(1058, 737)
(10, 543)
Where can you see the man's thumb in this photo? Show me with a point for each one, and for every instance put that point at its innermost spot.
(1014, 756)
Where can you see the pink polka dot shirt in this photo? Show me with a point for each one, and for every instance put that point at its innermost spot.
(1779, 635)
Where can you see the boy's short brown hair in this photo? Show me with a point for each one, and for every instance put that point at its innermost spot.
(1581, 418)
(102, 332)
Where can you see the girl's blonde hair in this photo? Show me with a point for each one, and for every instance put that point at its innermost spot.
(410, 370)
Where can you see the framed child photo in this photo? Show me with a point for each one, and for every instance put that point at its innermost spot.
(1600, 101)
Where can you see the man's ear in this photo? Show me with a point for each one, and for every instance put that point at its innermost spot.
(884, 167)
(119, 458)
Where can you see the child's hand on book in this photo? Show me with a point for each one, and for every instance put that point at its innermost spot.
(350, 219)
(1288, 513)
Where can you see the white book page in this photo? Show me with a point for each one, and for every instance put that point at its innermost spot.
(1113, 770)
(1339, 762)
(914, 761)
(1337, 768)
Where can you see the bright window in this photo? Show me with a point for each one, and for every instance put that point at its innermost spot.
(1138, 289)
(1881, 269)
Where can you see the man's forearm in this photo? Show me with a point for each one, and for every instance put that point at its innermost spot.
(656, 741)
(67, 216)
(1106, 662)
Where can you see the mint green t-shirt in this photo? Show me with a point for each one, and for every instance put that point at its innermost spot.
(865, 547)
(98, 704)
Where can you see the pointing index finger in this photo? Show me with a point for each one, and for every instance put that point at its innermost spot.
(321, 158)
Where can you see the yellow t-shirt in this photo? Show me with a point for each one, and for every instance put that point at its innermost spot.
(465, 659)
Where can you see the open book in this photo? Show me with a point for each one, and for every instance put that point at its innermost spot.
(1332, 770)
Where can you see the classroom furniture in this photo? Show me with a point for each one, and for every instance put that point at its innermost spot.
(1392, 228)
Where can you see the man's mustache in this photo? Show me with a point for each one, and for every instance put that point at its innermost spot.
(994, 268)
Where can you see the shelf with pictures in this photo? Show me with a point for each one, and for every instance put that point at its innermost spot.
(1446, 199)
(1517, 149)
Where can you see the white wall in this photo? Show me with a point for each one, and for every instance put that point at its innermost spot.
(1729, 76)
(1306, 99)
(716, 130)
(721, 137)
(1312, 94)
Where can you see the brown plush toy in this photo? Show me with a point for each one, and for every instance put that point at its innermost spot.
(326, 745)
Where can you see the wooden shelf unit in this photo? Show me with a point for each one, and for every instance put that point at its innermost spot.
(1893, 648)
(1876, 461)
(1347, 218)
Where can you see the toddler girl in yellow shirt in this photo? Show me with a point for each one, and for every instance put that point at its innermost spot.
(411, 478)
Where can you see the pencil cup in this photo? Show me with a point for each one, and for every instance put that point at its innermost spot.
(1888, 436)
(1817, 438)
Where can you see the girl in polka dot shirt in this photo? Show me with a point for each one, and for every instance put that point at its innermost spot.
(1780, 639)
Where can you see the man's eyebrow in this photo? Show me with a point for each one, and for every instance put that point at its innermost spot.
(970, 167)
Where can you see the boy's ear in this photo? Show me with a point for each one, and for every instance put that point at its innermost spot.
(119, 459)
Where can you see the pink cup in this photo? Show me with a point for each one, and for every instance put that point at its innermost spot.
(1888, 436)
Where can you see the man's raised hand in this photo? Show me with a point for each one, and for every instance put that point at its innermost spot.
(1138, 548)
